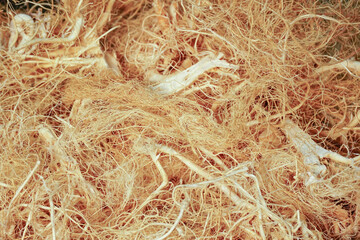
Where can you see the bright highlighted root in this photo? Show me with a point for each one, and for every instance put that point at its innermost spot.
(176, 82)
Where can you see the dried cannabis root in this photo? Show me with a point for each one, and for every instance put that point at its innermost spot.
(176, 82)
(312, 152)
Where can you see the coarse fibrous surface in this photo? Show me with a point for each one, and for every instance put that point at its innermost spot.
(183, 119)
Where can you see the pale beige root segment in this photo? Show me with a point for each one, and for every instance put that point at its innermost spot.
(252, 202)
(26, 35)
(344, 128)
(312, 152)
(26, 32)
(349, 65)
(173, 83)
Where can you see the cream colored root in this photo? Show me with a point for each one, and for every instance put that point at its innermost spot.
(299, 18)
(337, 133)
(24, 25)
(176, 82)
(349, 65)
(312, 152)
(215, 179)
(52, 211)
(164, 183)
(68, 62)
(355, 121)
(71, 37)
(311, 149)
(105, 16)
(183, 207)
(279, 115)
(173, 12)
(5, 185)
(225, 189)
(21, 188)
(52, 142)
(27, 225)
(19, 25)
(67, 164)
(28, 40)
(92, 48)
(261, 205)
(257, 206)
(307, 147)
(92, 45)
(215, 158)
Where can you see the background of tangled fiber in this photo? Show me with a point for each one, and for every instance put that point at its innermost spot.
(98, 142)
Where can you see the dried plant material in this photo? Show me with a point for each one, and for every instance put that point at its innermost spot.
(171, 120)
(23, 35)
(22, 25)
(183, 207)
(29, 40)
(351, 66)
(62, 162)
(162, 18)
(270, 137)
(173, 12)
(176, 82)
(342, 131)
(164, 183)
(28, 178)
(105, 16)
(112, 62)
(311, 151)
(52, 211)
(227, 191)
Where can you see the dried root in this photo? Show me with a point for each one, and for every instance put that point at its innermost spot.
(312, 152)
(178, 81)
(179, 120)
